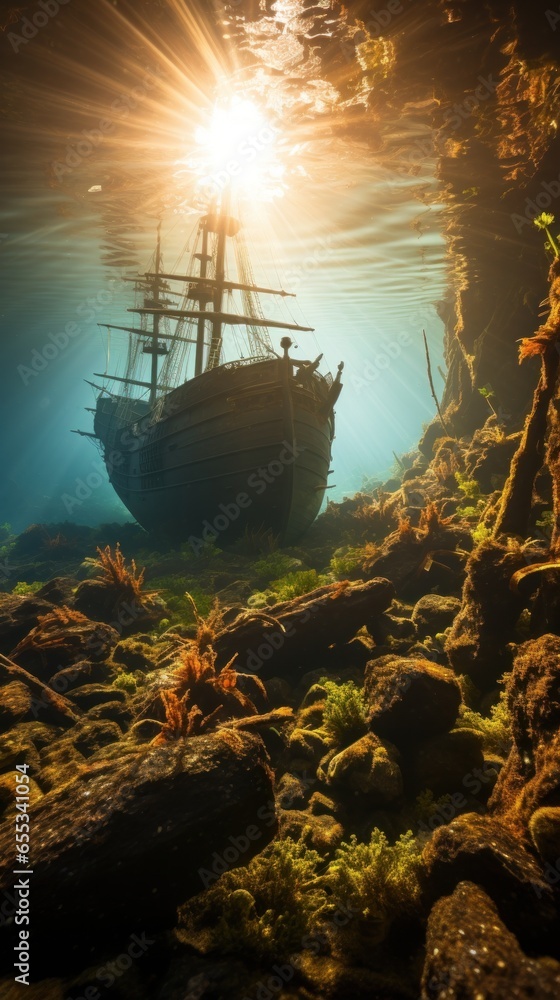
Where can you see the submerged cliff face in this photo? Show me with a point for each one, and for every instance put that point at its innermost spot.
(475, 90)
(495, 82)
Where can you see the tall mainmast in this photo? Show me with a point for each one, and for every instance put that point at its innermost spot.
(205, 290)
(153, 346)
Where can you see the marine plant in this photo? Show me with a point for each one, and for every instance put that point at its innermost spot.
(481, 533)
(377, 517)
(294, 584)
(273, 566)
(181, 719)
(470, 488)
(178, 593)
(263, 910)
(405, 531)
(431, 519)
(345, 712)
(23, 588)
(348, 560)
(125, 682)
(50, 630)
(487, 393)
(544, 222)
(111, 568)
(495, 728)
(298, 583)
(200, 695)
(379, 881)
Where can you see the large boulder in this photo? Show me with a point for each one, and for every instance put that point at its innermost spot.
(483, 850)
(410, 699)
(59, 590)
(530, 779)
(119, 847)
(60, 638)
(118, 606)
(15, 704)
(434, 613)
(471, 954)
(533, 693)
(18, 615)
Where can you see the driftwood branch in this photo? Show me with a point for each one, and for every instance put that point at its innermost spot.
(61, 711)
(302, 629)
(431, 381)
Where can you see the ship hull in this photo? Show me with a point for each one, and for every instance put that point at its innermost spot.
(243, 448)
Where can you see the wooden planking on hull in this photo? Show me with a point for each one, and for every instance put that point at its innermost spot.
(185, 468)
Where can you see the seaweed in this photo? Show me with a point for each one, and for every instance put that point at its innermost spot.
(111, 568)
(495, 728)
(378, 880)
(263, 910)
(345, 712)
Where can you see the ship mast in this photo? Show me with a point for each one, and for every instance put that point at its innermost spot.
(204, 290)
(223, 224)
(154, 347)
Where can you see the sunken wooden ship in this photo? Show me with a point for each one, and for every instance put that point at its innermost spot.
(203, 449)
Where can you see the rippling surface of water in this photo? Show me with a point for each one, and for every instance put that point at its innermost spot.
(357, 238)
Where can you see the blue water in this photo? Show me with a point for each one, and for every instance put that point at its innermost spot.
(350, 236)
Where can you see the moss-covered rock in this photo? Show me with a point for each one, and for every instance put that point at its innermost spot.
(471, 953)
(18, 615)
(434, 613)
(368, 767)
(307, 744)
(135, 654)
(544, 828)
(82, 672)
(117, 710)
(90, 735)
(18, 748)
(15, 704)
(8, 793)
(410, 699)
(322, 833)
(482, 848)
(144, 731)
(292, 791)
(60, 763)
(89, 695)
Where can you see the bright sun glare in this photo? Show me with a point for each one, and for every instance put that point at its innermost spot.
(238, 149)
